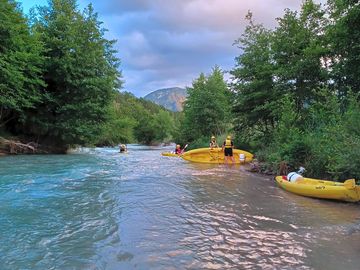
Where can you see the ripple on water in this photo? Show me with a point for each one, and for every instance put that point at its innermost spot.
(101, 210)
(224, 240)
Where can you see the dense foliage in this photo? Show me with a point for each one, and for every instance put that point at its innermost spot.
(59, 82)
(80, 73)
(137, 120)
(296, 89)
(21, 67)
(207, 109)
(254, 107)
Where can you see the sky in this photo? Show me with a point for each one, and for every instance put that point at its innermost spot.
(168, 43)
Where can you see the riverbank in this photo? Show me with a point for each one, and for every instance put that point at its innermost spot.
(16, 146)
(262, 168)
(27, 146)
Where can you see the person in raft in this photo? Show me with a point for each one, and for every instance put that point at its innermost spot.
(213, 143)
(178, 150)
(227, 147)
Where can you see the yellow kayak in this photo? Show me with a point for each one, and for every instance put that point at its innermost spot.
(169, 154)
(323, 189)
(216, 156)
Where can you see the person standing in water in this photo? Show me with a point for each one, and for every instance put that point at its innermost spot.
(227, 147)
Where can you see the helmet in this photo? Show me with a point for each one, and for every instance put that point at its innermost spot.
(178, 146)
(212, 137)
(228, 137)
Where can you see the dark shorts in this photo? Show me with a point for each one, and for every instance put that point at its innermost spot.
(228, 152)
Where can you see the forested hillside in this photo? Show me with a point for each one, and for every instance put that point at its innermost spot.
(297, 89)
(293, 96)
(137, 120)
(60, 82)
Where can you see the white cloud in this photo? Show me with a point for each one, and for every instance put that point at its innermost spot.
(164, 42)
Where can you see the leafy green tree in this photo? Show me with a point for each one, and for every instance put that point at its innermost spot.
(144, 131)
(256, 98)
(81, 73)
(286, 61)
(298, 76)
(207, 108)
(139, 120)
(193, 104)
(154, 128)
(347, 166)
(344, 39)
(217, 113)
(298, 50)
(163, 123)
(118, 129)
(287, 142)
(21, 66)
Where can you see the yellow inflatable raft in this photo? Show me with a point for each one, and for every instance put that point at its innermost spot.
(169, 154)
(323, 189)
(216, 156)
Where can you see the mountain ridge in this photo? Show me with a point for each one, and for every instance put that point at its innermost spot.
(171, 98)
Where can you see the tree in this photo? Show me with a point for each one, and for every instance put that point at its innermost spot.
(256, 98)
(298, 52)
(118, 129)
(144, 131)
(163, 123)
(286, 61)
(146, 122)
(207, 108)
(81, 73)
(344, 39)
(21, 66)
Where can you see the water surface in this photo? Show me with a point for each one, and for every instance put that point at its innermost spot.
(98, 209)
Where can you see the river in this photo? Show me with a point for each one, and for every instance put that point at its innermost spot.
(98, 209)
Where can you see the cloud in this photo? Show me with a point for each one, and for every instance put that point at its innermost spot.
(165, 43)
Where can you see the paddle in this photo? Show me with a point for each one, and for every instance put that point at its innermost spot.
(350, 184)
(182, 151)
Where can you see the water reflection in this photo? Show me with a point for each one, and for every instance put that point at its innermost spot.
(230, 226)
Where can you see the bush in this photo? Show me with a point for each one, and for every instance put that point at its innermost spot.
(326, 141)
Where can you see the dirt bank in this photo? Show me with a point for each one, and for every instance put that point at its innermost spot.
(16, 146)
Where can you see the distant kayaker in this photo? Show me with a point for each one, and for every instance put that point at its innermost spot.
(213, 143)
(227, 147)
(178, 150)
(123, 148)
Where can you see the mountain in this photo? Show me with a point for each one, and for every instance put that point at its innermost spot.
(170, 98)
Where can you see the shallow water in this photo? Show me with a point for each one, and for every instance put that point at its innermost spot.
(98, 209)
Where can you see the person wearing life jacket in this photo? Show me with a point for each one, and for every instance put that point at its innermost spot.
(213, 143)
(227, 147)
(178, 150)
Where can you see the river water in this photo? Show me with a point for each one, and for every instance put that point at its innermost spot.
(98, 209)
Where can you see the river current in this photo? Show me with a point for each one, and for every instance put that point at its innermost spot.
(99, 209)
